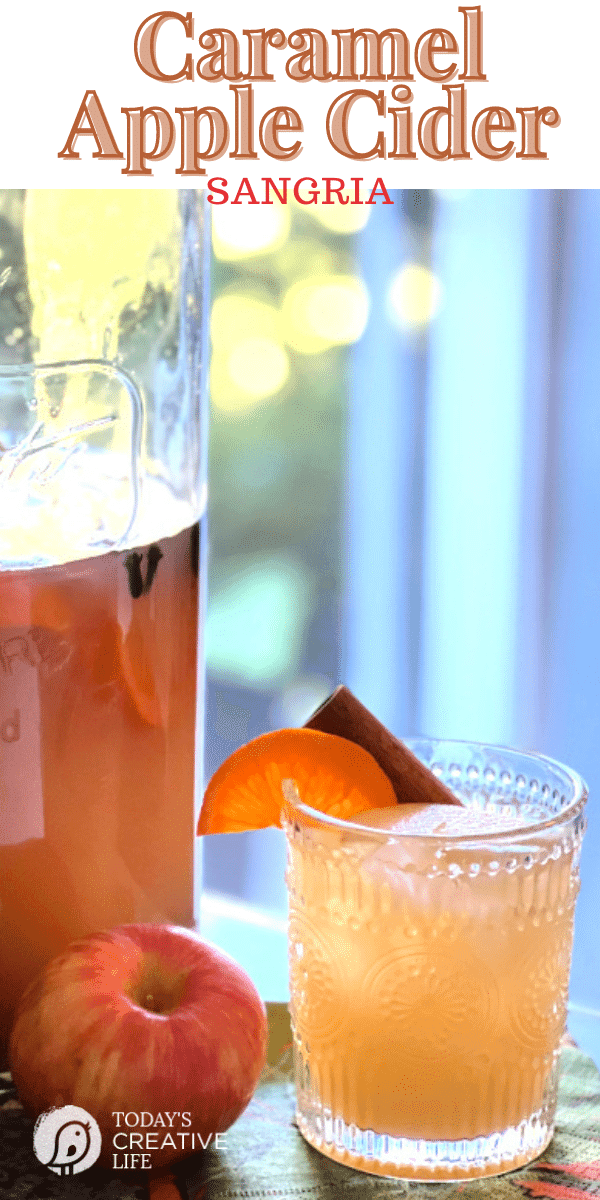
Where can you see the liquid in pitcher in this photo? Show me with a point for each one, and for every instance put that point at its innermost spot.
(97, 736)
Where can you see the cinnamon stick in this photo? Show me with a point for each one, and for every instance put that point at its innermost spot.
(412, 782)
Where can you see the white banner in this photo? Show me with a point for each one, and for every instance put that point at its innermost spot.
(425, 93)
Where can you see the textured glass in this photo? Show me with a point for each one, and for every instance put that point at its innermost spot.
(429, 976)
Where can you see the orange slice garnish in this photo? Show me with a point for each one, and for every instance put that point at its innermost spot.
(24, 603)
(53, 608)
(140, 653)
(77, 617)
(80, 616)
(331, 774)
(158, 649)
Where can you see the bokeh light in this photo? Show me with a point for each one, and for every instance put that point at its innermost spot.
(341, 218)
(414, 297)
(324, 311)
(258, 366)
(236, 315)
(249, 361)
(256, 620)
(248, 230)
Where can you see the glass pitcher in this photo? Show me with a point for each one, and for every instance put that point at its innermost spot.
(102, 497)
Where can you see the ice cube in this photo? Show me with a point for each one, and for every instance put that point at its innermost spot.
(437, 820)
(420, 865)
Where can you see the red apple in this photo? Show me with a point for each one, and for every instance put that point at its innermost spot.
(144, 1018)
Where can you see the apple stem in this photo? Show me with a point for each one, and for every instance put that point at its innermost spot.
(157, 988)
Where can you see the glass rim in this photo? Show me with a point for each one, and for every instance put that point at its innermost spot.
(570, 777)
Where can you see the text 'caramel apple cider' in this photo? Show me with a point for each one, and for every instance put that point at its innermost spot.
(102, 498)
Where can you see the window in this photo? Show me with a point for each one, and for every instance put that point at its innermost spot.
(405, 477)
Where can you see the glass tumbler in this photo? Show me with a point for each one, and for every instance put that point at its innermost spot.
(429, 975)
(102, 499)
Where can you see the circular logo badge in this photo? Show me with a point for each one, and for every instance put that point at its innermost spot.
(67, 1140)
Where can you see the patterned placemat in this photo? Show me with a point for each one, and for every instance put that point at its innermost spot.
(265, 1156)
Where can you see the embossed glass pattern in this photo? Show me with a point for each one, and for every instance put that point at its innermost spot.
(429, 975)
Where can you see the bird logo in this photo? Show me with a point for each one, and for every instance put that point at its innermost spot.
(71, 1144)
(67, 1140)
